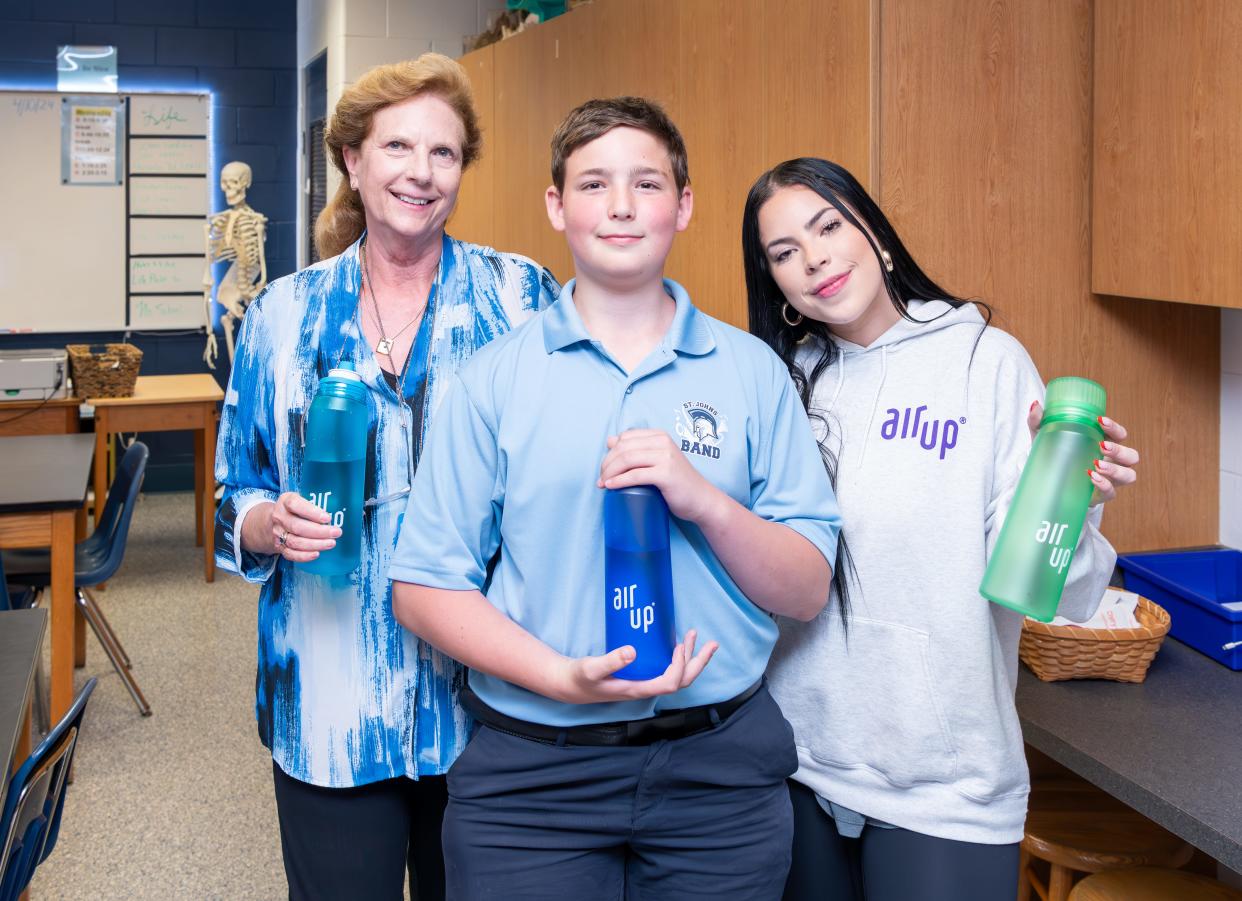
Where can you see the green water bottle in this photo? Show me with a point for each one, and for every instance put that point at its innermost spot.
(1032, 556)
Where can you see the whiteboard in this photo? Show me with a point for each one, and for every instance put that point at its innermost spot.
(167, 156)
(62, 247)
(160, 236)
(168, 114)
(65, 249)
(156, 311)
(166, 275)
(167, 196)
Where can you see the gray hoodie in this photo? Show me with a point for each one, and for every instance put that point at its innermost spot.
(909, 716)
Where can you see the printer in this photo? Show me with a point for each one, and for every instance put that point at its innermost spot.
(35, 374)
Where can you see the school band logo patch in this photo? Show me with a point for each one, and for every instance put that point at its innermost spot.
(701, 428)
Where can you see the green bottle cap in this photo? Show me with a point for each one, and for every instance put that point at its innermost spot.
(1075, 397)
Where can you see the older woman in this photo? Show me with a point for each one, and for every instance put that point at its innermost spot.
(361, 717)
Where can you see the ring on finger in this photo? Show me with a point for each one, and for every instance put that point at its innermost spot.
(281, 539)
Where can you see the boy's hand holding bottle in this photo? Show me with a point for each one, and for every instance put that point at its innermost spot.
(591, 680)
(650, 457)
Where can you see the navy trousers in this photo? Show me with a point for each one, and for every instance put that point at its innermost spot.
(704, 816)
(891, 864)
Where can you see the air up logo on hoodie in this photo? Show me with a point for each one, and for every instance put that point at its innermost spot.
(701, 428)
(931, 434)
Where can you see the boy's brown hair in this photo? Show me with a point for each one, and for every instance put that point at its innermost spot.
(596, 118)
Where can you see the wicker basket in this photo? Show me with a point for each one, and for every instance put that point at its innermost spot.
(104, 370)
(1055, 653)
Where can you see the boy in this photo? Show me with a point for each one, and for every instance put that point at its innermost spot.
(578, 781)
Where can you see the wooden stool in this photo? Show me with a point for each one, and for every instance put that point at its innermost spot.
(1150, 884)
(1075, 827)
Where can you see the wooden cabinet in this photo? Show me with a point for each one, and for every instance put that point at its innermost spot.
(985, 169)
(1167, 155)
(973, 125)
(749, 83)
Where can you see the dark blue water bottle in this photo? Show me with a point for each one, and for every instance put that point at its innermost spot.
(334, 465)
(638, 579)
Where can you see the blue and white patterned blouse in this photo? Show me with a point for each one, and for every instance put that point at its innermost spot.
(344, 695)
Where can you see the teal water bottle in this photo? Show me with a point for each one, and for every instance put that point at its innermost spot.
(1032, 556)
(334, 465)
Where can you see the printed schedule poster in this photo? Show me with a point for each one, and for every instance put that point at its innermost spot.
(90, 154)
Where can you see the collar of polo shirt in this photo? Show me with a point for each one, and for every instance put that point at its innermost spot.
(688, 334)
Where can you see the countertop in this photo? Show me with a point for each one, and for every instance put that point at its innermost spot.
(1170, 747)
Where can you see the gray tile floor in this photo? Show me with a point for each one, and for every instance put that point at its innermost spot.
(177, 805)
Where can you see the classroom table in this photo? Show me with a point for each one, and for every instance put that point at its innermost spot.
(21, 637)
(42, 486)
(57, 416)
(167, 403)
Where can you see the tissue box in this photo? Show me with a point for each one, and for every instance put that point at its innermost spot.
(1202, 590)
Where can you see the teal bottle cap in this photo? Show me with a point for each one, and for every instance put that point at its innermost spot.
(1071, 396)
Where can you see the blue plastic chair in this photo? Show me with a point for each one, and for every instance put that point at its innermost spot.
(30, 820)
(9, 600)
(96, 559)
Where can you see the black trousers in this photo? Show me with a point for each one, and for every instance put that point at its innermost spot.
(361, 842)
(890, 864)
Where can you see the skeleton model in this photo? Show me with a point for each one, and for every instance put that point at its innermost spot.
(236, 235)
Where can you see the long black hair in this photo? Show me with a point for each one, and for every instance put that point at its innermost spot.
(765, 302)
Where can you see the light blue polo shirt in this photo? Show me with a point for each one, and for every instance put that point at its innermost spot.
(511, 465)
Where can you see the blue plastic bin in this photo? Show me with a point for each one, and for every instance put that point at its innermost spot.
(1202, 590)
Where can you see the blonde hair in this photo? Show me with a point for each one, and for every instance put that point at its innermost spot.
(343, 220)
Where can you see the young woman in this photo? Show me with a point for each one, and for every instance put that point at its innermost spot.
(912, 782)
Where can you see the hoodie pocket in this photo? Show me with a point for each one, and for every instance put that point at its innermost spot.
(867, 700)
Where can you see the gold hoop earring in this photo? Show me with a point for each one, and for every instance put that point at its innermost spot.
(785, 315)
(888, 260)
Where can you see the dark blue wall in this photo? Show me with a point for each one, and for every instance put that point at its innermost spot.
(245, 52)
